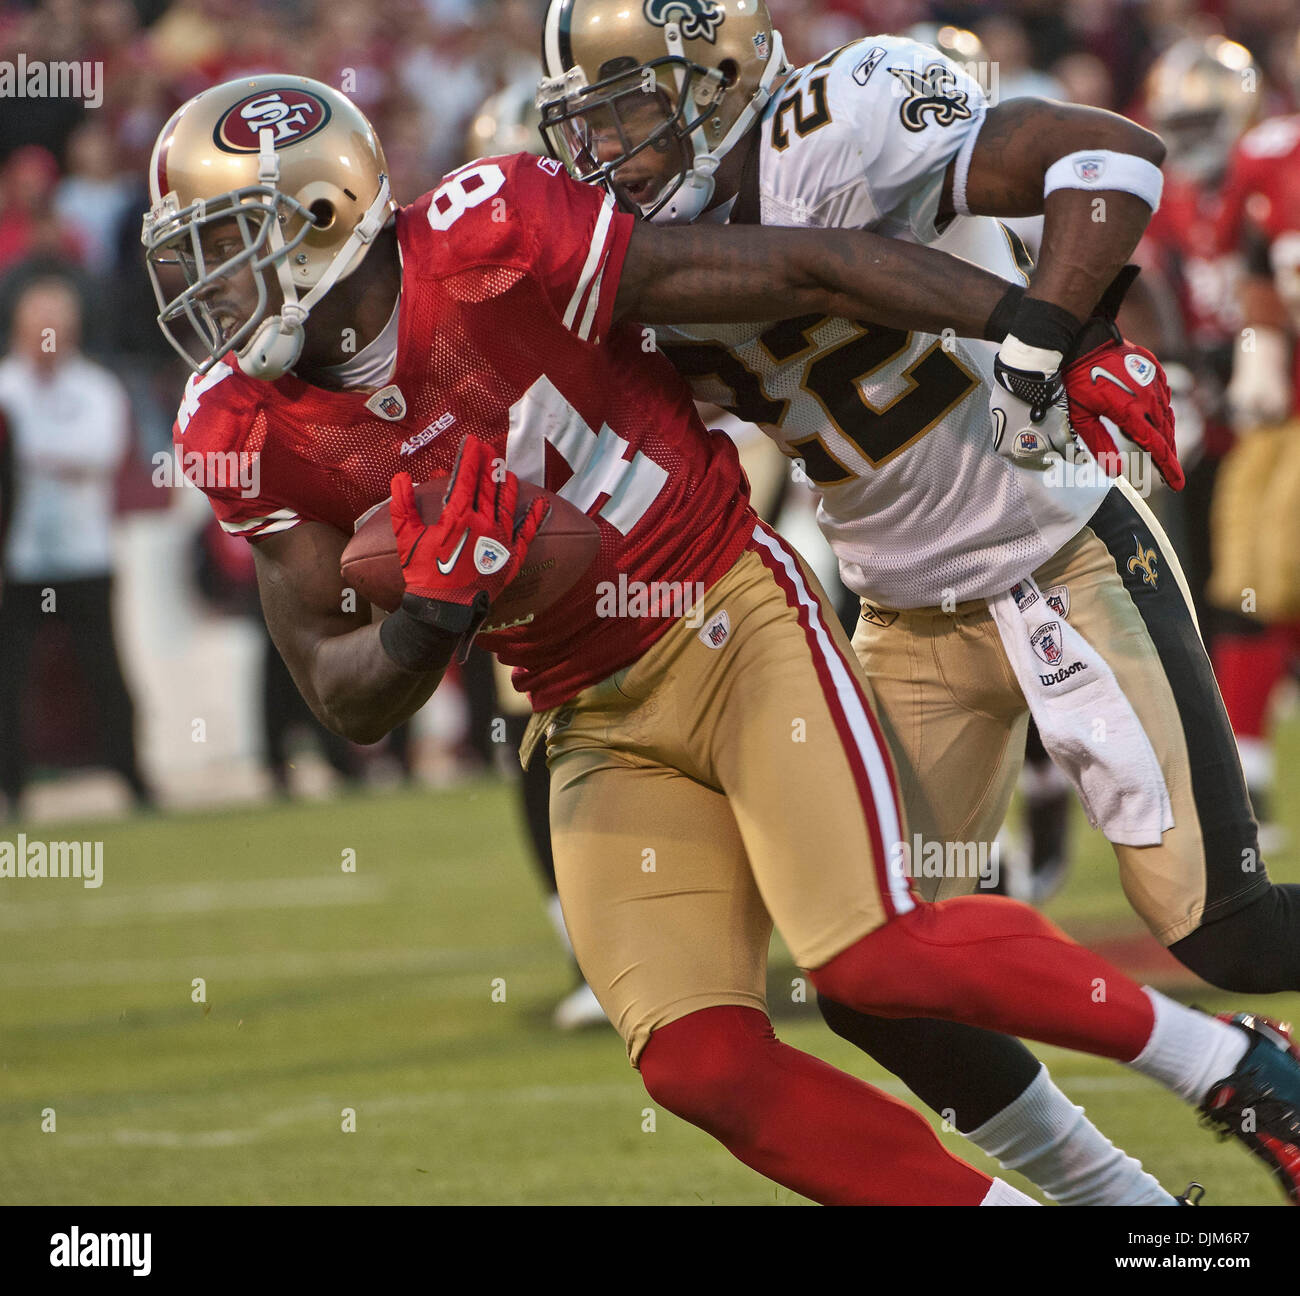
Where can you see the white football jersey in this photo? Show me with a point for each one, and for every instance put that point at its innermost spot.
(891, 427)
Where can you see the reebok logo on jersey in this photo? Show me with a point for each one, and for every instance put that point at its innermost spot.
(869, 64)
(489, 555)
(445, 567)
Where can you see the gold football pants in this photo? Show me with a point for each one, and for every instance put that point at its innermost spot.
(733, 772)
(955, 718)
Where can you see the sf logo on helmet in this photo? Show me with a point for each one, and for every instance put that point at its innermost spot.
(698, 19)
(290, 115)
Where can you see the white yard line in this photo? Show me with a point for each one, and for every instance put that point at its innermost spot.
(154, 903)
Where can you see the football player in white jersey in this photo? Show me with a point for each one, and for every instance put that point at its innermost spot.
(1003, 572)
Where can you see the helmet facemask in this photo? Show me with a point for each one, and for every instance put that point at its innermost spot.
(579, 117)
(627, 114)
(243, 233)
(266, 225)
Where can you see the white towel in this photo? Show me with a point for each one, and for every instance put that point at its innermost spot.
(1088, 726)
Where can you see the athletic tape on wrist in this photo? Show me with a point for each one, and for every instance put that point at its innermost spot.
(1044, 324)
(1100, 169)
(415, 644)
(1004, 314)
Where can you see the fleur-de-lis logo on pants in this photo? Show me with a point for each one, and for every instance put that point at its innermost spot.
(1144, 561)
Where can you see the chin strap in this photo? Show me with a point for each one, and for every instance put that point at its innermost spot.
(695, 191)
(277, 342)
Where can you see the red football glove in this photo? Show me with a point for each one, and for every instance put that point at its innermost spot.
(458, 566)
(1124, 383)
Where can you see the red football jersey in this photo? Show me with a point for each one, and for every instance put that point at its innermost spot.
(1183, 239)
(509, 275)
(1262, 193)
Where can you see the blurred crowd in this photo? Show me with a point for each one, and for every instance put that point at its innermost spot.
(73, 177)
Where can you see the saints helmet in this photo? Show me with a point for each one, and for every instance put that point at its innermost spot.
(288, 178)
(708, 65)
(508, 122)
(1201, 94)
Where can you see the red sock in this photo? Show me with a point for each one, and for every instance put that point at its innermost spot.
(1248, 668)
(798, 1121)
(996, 963)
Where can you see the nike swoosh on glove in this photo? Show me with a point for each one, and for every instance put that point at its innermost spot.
(456, 567)
(1107, 376)
(1124, 383)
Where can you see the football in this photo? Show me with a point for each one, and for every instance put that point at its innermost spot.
(563, 549)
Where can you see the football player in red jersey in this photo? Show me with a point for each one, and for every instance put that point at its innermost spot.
(1202, 94)
(706, 782)
(1255, 579)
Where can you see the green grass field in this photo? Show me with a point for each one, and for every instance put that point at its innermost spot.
(373, 991)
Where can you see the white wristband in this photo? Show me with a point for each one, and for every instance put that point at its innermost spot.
(1016, 354)
(1101, 169)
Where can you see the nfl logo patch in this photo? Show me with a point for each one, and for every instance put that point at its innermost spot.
(1089, 170)
(1028, 443)
(717, 632)
(1058, 599)
(761, 47)
(388, 402)
(1141, 370)
(1024, 597)
(1046, 642)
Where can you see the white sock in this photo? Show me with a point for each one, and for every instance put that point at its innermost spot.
(1001, 1193)
(1188, 1050)
(1052, 1143)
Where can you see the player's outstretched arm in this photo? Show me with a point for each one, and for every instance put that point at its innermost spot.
(741, 273)
(335, 657)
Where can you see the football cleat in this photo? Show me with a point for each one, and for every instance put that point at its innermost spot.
(1259, 1103)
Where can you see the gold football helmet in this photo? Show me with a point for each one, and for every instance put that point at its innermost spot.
(508, 122)
(275, 174)
(1201, 94)
(683, 78)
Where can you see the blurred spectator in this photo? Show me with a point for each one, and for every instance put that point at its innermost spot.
(69, 421)
(1085, 79)
(1008, 45)
(29, 225)
(94, 197)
